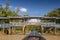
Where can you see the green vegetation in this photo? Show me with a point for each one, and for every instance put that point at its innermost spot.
(31, 28)
(6, 12)
(54, 13)
(26, 15)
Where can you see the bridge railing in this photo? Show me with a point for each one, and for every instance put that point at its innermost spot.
(45, 24)
(37, 23)
(50, 25)
(4, 25)
(10, 25)
(16, 24)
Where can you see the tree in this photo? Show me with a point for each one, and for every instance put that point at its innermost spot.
(7, 6)
(54, 13)
(5, 12)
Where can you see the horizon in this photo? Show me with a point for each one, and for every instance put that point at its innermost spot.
(33, 7)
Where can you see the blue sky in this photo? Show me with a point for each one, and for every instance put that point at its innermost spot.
(33, 7)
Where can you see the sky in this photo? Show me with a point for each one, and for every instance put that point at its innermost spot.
(33, 7)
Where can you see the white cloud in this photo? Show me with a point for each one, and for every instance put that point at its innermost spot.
(23, 9)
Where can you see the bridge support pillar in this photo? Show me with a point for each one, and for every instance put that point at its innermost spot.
(3, 30)
(10, 30)
(42, 29)
(54, 30)
(24, 30)
(13, 30)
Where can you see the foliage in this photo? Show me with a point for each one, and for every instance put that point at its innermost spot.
(5, 12)
(31, 28)
(26, 15)
(54, 13)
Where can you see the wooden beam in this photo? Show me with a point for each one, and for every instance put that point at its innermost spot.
(42, 29)
(55, 31)
(3, 30)
(10, 30)
(24, 30)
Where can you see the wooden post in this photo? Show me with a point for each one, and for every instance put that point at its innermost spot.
(3, 25)
(3, 30)
(13, 30)
(10, 30)
(54, 30)
(24, 30)
(42, 29)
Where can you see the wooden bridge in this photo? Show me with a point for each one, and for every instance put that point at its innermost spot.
(12, 22)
